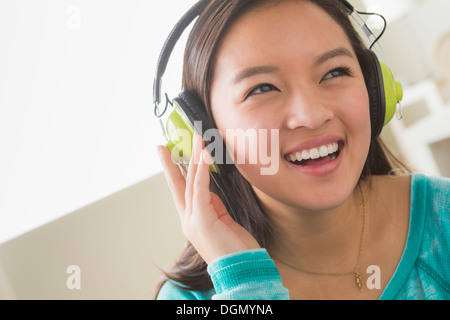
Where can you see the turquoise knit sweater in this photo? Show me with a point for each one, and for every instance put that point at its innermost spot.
(423, 272)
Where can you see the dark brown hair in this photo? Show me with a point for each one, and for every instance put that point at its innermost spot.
(190, 269)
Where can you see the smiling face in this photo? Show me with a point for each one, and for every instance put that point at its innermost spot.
(291, 67)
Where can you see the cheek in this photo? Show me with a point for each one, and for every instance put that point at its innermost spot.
(363, 117)
(358, 127)
(355, 112)
(250, 138)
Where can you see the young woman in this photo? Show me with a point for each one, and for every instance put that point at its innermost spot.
(333, 222)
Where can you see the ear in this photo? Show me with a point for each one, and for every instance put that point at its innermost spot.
(384, 92)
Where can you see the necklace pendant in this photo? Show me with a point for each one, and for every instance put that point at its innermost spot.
(359, 281)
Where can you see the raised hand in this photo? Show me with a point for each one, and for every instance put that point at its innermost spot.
(205, 220)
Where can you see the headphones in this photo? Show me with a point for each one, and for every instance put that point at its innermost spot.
(384, 92)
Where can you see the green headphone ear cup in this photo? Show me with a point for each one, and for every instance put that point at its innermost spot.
(181, 126)
(179, 133)
(393, 92)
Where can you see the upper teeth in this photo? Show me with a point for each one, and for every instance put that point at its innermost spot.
(314, 153)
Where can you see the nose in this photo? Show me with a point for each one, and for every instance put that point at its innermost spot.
(308, 110)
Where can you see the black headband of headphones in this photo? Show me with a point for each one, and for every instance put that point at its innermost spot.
(169, 45)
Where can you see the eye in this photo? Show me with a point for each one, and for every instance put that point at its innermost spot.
(260, 89)
(338, 72)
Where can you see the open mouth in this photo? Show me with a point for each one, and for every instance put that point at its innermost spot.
(315, 156)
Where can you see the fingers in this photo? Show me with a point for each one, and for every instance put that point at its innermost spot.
(182, 190)
(174, 178)
(201, 196)
(192, 170)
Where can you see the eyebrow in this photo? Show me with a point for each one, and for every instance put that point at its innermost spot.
(341, 51)
(253, 71)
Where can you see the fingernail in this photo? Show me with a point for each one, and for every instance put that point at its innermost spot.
(205, 157)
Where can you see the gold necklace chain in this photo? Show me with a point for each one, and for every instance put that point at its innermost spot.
(358, 261)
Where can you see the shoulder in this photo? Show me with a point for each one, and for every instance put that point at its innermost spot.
(423, 269)
(172, 290)
(430, 198)
(419, 192)
(430, 211)
(434, 191)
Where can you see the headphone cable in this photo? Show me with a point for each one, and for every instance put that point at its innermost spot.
(384, 25)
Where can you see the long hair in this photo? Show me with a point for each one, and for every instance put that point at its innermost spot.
(217, 17)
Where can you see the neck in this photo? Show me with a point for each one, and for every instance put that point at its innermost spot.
(325, 241)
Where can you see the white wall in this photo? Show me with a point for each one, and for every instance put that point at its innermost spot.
(410, 39)
(76, 113)
(431, 19)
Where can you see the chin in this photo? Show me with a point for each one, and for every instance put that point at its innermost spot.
(321, 202)
(313, 198)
